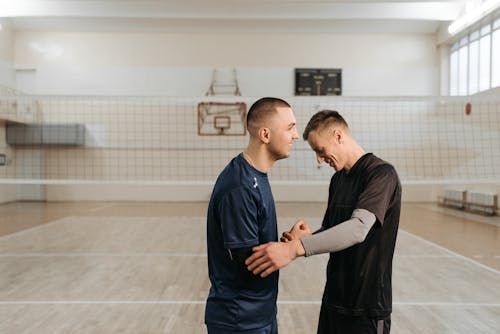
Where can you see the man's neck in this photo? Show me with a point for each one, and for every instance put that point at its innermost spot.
(258, 159)
(353, 156)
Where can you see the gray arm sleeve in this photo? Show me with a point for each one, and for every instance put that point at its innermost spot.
(321, 229)
(341, 236)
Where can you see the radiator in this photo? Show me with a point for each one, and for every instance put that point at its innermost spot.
(482, 202)
(455, 198)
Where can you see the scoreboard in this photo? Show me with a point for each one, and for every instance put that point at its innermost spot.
(318, 81)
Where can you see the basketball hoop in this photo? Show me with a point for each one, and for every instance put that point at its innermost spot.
(222, 123)
(222, 119)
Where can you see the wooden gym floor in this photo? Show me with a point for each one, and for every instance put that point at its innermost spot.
(141, 268)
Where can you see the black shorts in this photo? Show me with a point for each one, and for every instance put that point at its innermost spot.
(334, 323)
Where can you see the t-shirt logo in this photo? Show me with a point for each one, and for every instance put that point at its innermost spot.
(255, 184)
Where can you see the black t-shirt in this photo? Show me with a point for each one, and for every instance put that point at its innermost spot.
(359, 277)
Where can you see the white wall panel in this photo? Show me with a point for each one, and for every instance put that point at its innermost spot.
(181, 64)
(6, 56)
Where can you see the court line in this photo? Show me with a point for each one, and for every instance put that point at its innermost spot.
(101, 207)
(49, 224)
(33, 228)
(424, 256)
(463, 257)
(171, 254)
(202, 302)
(102, 254)
(104, 182)
(166, 254)
(444, 304)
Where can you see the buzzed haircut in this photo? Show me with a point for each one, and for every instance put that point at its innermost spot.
(323, 119)
(262, 108)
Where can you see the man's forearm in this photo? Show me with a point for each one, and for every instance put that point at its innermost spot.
(342, 236)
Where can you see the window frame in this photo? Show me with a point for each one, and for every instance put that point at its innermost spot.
(480, 32)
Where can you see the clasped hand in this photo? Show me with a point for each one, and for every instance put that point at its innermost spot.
(272, 256)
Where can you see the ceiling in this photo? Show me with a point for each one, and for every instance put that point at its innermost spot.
(403, 16)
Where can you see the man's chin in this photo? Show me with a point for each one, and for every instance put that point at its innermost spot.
(284, 156)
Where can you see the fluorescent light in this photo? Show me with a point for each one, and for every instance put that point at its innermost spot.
(474, 15)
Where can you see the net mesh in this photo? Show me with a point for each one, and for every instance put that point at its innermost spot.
(156, 139)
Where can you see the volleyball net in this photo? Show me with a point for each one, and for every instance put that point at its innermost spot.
(79, 139)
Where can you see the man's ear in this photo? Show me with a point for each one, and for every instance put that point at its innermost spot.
(338, 136)
(265, 135)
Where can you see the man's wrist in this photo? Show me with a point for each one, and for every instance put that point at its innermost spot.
(298, 248)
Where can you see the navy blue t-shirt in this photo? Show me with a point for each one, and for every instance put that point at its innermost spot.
(241, 214)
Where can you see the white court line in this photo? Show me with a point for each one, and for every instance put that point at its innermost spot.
(34, 228)
(300, 302)
(202, 302)
(103, 182)
(102, 254)
(101, 207)
(424, 256)
(161, 220)
(444, 304)
(166, 254)
(108, 302)
(451, 252)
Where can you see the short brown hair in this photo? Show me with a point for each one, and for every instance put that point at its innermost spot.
(262, 108)
(322, 119)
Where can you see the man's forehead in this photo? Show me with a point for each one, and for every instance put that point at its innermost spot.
(315, 137)
(285, 113)
(284, 110)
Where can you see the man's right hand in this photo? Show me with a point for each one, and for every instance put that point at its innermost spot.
(300, 229)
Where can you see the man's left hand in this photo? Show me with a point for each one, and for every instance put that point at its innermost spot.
(267, 258)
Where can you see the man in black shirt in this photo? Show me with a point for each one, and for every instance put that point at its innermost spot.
(359, 231)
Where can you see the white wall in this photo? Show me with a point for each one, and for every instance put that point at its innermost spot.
(180, 64)
(7, 192)
(412, 192)
(490, 92)
(444, 55)
(6, 55)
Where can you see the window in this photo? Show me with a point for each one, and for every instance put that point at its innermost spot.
(486, 29)
(463, 60)
(474, 35)
(474, 67)
(496, 24)
(495, 56)
(475, 59)
(484, 63)
(454, 74)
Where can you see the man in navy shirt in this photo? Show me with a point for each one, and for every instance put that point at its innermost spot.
(359, 231)
(241, 215)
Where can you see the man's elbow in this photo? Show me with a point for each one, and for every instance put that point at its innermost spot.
(361, 234)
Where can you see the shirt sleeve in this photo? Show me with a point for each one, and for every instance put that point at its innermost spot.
(238, 217)
(341, 236)
(324, 223)
(380, 190)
